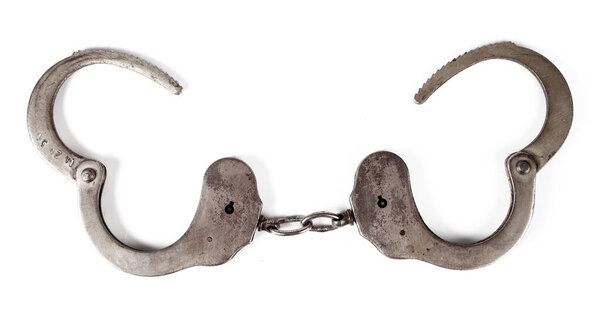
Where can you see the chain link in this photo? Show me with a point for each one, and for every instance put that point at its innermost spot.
(273, 225)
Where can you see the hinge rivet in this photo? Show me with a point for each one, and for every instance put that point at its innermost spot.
(88, 175)
(523, 167)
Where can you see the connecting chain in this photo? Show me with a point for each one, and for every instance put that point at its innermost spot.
(273, 225)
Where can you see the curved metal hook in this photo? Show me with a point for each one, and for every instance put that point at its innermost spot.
(559, 103)
(229, 206)
(40, 114)
(382, 199)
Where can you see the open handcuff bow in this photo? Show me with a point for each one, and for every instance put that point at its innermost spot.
(382, 203)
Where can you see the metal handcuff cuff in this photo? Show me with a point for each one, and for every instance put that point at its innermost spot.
(382, 203)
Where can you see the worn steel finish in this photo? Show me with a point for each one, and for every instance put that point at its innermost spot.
(229, 211)
(382, 200)
(273, 225)
(214, 236)
(229, 207)
(398, 230)
(559, 103)
(40, 120)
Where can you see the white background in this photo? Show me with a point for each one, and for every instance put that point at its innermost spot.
(302, 91)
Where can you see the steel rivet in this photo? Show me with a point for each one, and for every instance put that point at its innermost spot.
(523, 167)
(88, 175)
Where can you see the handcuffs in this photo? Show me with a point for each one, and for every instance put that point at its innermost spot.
(382, 204)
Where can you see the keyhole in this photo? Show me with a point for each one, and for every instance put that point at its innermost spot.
(381, 202)
(229, 208)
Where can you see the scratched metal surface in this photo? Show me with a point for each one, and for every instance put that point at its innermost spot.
(397, 229)
(40, 113)
(215, 235)
(382, 201)
(229, 207)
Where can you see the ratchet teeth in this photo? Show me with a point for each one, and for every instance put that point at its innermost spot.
(454, 66)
